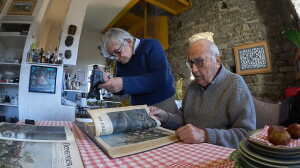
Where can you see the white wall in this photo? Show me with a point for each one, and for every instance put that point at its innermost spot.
(88, 54)
(75, 16)
(297, 6)
(43, 36)
(53, 38)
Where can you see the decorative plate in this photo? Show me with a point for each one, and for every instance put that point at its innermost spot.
(236, 157)
(274, 153)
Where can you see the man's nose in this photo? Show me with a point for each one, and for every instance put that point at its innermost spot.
(194, 68)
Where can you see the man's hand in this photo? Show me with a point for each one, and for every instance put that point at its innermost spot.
(113, 85)
(160, 114)
(191, 134)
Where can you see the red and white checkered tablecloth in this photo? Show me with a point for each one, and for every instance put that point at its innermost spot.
(169, 156)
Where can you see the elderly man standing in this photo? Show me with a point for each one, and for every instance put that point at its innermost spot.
(217, 107)
(142, 70)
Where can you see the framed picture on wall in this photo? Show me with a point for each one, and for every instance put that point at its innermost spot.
(2, 4)
(252, 58)
(21, 7)
(42, 79)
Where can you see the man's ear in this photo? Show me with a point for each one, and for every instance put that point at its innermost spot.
(218, 59)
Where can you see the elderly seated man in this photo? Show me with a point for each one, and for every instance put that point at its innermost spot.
(217, 108)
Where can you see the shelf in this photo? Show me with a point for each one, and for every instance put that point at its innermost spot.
(17, 19)
(12, 39)
(77, 91)
(44, 64)
(6, 63)
(5, 83)
(13, 34)
(10, 67)
(8, 104)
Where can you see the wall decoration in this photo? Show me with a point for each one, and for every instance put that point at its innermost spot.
(2, 4)
(68, 54)
(69, 41)
(72, 29)
(42, 79)
(252, 58)
(21, 7)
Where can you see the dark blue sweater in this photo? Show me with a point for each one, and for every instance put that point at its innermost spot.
(147, 77)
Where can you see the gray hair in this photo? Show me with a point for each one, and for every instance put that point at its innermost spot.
(214, 51)
(113, 36)
(212, 47)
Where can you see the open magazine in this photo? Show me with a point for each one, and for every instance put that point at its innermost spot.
(31, 146)
(126, 130)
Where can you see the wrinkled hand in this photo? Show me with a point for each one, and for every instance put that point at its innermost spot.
(113, 85)
(191, 134)
(160, 114)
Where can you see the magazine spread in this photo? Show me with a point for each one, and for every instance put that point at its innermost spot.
(31, 146)
(127, 130)
(23, 132)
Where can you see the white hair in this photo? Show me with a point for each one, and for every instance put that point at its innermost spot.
(203, 35)
(112, 36)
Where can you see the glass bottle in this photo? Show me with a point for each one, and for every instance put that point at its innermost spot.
(48, 55)
(35, 55)
(30, 53)
(42, 56)
(55, 61)
(17, 99)
(68, 83)
(29, 57)
(6, 98)
(2, 96)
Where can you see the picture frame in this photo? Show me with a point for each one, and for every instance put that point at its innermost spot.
(252, 58)
(21, 7)
(42, 79)
(2, 4)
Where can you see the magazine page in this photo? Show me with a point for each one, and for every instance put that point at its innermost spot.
(123, 144)
(23, 132)
(39, 154)
(122, 119)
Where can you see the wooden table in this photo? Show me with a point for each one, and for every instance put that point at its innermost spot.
(172, 155)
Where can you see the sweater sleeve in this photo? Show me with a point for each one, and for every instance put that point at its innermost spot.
(156, 67)
(174, 121)
(241, 113)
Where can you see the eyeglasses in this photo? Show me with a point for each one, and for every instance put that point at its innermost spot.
(199, 62)
(117, 52)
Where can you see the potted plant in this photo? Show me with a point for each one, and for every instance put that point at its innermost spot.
(294, 36)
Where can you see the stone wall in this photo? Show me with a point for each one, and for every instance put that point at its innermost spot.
(234, 23)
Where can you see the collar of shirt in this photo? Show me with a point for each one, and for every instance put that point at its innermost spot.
(136, 44)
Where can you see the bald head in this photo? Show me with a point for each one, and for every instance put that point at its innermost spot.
(206, 46)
